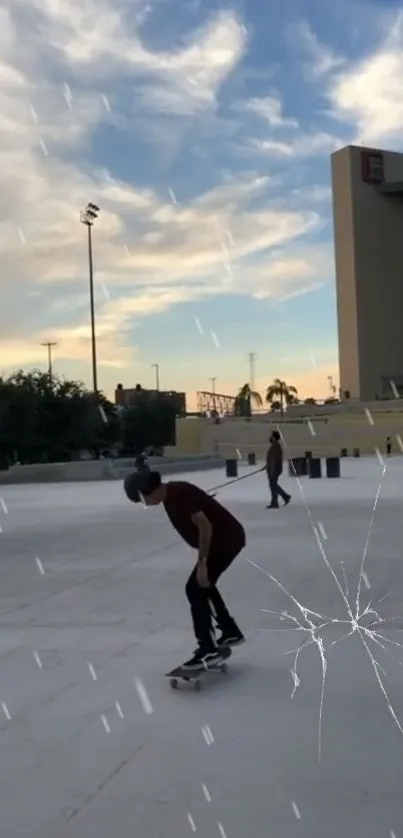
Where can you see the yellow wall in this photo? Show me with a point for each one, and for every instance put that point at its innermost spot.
(340, 431)
(189, 435)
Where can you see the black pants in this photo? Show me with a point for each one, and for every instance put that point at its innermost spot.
(276, 490)
(206, 603)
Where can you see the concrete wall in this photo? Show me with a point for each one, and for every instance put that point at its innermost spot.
(188, 435)
(344, 252)
(368, 228)
(215, 443)
(104, 469)
(345, 408)
(332, 433)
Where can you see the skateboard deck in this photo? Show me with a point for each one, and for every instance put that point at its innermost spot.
(194, 677)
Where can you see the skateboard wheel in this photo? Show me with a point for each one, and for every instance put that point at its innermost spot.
(197, 685)
(174, 684)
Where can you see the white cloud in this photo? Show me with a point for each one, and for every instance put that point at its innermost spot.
(149, 254)
(242, 188)
(315, 193)
(285, 138)
(73, 347)
(185, 252)
(270, 109)
(292, 272)
(103, 42)
(319, 59)
(189, 79)
(365, 94)
(303, 145)
(368, 93)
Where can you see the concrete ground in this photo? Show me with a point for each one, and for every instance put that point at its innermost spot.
(94, 743)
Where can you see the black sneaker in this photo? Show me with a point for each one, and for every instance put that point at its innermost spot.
(231, 638)
(273, 506)
(202, 659)
(287, 500)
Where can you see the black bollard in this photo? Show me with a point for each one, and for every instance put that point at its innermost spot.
(252, 459)
(297, 467)
(332, 467)
(344, 452)
(356, 452)
(231, 468)
(315, 468)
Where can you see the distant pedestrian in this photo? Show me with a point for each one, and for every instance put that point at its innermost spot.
(274, 468)
(388, 445)
(141, 462)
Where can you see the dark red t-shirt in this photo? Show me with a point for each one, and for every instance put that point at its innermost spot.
(184, 500)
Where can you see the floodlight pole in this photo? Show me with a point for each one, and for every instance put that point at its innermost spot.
(157, 375)
(87, 217)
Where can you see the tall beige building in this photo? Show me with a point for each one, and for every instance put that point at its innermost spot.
(367, 189)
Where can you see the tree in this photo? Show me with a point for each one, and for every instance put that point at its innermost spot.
(244, 399)
(18, 420)
(246, 392)
(43, 420)
(148, 420)
(101, 428)
(310, 400)
(52, 420)
(282, 392)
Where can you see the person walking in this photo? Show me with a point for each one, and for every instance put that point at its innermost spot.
(141, 462)
(218, 536)
(274, 468)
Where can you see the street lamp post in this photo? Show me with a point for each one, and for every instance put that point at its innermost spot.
(87, 217)
(213, 381)
(157, 375)
(50, 344)
(252, 359)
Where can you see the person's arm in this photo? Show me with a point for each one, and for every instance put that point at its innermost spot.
(269, 461)
(205, 535)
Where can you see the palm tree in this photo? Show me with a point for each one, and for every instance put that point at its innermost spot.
(282, 392)
(246, 393)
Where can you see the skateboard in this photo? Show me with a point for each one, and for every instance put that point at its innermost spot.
(196, 675)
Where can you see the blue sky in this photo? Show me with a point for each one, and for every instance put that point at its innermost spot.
(203, 130)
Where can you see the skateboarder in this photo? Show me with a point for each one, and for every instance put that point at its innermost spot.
(209, 528)
(274, 467)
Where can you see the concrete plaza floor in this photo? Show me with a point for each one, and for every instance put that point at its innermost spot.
(94, 744)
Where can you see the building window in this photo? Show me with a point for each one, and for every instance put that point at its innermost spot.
(372, 167)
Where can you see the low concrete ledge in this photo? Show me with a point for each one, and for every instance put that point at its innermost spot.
(88, 470)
